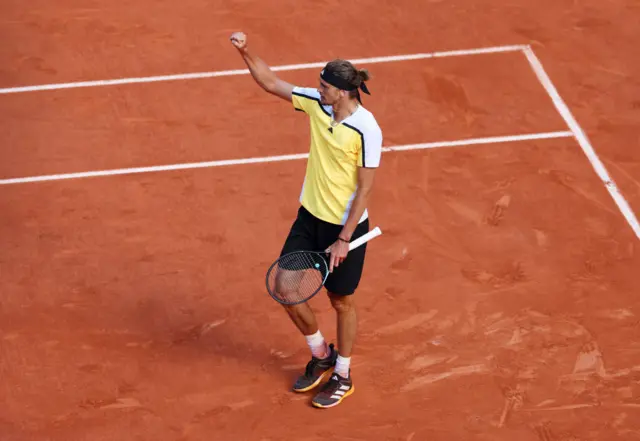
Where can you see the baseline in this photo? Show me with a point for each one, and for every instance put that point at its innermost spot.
(224, 73)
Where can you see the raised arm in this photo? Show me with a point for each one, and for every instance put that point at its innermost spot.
(260, 71)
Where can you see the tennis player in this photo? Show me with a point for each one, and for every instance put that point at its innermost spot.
(345, 150)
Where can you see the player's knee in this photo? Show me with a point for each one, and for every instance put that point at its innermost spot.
(341, 304)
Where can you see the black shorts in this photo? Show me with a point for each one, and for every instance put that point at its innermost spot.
(308, 233)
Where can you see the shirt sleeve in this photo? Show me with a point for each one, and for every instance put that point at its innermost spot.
(371, 150)
(303, 98)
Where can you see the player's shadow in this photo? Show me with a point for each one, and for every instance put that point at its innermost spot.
(199, 329)
(226, 339)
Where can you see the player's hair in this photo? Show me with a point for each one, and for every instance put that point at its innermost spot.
(347, 71)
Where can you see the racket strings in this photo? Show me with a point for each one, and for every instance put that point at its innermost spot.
(297, 276)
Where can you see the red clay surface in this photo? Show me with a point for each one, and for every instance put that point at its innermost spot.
(499, 304)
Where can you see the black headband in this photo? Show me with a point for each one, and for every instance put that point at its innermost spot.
(340, 82)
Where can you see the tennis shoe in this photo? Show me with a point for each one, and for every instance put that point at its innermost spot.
(334, 391)
(317, 369)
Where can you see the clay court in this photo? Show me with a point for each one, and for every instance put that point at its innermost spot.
(500, 303)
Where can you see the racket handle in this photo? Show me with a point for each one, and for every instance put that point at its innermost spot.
(365, 238)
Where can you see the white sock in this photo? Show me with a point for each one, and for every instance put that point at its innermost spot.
(342, 366)
(317, 345)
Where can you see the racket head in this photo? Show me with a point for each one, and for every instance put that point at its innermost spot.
(297, 276)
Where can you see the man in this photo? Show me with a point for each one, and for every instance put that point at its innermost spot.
(346, 144)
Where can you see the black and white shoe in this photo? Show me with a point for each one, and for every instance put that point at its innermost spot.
(334, 391)
(317, 369)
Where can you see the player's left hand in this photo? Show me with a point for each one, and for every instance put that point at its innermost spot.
(338, 252)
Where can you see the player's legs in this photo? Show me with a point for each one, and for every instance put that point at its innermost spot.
(303, 317)
(303, 236)
(341, 286)
(345, 308)
(340, 384)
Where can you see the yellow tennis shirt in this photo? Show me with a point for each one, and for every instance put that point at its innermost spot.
(335, 154)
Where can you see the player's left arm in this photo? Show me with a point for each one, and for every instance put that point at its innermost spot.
(368, 164)
(340, 248)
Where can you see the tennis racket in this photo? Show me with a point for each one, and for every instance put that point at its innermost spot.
(297, 276)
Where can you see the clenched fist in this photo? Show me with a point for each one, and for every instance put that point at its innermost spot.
(239, 40)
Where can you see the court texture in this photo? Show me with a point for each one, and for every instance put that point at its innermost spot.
(147, 183)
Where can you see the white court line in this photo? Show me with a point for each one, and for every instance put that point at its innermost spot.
(159, 168)
(224, 73)
(582, 139)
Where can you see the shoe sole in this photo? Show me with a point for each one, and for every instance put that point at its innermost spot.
(315, 383)
(327, 406)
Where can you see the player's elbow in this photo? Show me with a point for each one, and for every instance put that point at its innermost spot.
(270, 84)
(265, 86)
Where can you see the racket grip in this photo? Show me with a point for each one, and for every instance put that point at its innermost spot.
(365, 238)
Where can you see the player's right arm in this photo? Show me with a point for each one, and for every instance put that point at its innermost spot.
(260, 71)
